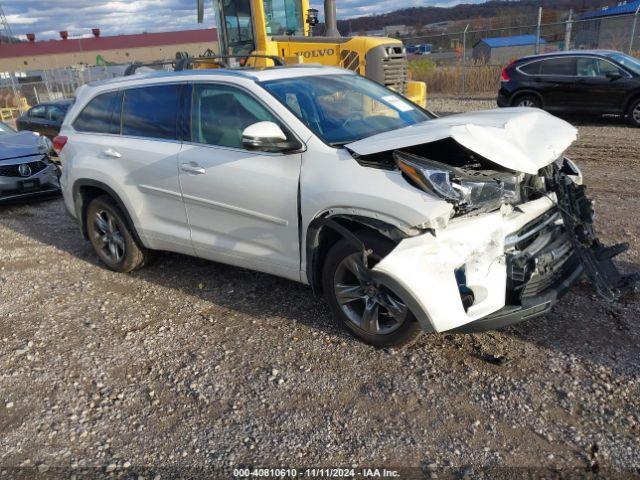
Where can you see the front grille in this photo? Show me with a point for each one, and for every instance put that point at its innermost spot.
(394, 65)
(13, 170)
(541, 256)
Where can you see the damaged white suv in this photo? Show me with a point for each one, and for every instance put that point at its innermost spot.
(405, 221)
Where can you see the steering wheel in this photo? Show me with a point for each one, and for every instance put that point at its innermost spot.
(352, 116)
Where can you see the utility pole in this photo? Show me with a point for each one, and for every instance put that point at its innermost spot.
(464, 59)
(633, 29)
(538, 30)
(567, 32)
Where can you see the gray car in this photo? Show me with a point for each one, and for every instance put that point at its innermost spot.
(25, 167)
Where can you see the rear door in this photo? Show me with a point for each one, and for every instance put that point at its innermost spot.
(596, 90)
(36, 119)
(242, 205)
(128, 140)
(556, 83)
(55, 116)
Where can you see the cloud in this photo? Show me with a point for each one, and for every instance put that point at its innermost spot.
(46, 18)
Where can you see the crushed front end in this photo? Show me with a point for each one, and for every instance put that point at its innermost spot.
(490, 268)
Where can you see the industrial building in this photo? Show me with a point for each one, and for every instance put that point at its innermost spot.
(609, 27)
(502, 50)
(68, 52)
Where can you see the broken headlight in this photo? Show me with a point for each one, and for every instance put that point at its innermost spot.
(468, 189)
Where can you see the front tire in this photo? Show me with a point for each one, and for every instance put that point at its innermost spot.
(633, 114)
(369, 309)
(111, 236)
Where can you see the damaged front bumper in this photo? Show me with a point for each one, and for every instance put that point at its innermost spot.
(492, 270)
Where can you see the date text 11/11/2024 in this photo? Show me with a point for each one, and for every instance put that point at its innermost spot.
(315, 473)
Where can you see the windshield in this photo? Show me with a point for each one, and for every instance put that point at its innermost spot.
(283, 17)
(345, 108)
(627, 61)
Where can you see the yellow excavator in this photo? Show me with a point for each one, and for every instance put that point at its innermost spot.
(264, 29)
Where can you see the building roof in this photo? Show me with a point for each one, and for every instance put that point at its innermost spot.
(119, 42)
(623, 8)
(514, 41)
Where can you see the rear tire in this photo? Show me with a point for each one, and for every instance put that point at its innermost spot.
(633, 114)
(359, 303)
(530, 101)
(112, 237)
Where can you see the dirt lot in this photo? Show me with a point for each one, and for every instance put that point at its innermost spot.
(192, 364)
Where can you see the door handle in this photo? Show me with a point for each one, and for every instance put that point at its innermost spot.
(193, 168)
(110, 152)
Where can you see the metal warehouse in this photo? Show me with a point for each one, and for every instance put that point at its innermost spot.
(502, 50)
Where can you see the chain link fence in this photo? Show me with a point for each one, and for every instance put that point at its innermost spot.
(20, 90)
(469, 62)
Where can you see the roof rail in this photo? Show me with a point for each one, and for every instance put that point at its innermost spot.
(185, 62)
(131, 68)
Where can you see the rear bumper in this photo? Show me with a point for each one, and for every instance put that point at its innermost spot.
(504, 99)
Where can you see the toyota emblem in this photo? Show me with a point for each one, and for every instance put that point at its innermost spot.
(24, 170)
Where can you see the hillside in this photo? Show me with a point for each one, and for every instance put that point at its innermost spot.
(495, 13)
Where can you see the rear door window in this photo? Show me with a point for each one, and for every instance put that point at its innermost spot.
(55, 113)
(565, 66)
(101, 115)
(151, 112)
(38, 112)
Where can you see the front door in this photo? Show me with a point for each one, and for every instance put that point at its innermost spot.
(242, 205)
(601, 93)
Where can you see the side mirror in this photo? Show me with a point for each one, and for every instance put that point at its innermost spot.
(614, 75)
(267, 137)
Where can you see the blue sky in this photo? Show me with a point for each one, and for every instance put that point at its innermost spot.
(47, 17)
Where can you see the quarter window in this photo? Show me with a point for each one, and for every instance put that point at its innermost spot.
(531, 68)
(151, 112)
(101, 115)
(220, 113)
(558, 66)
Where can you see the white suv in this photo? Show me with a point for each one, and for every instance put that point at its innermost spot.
(405, 221)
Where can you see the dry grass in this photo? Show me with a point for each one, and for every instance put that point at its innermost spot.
(447, 80)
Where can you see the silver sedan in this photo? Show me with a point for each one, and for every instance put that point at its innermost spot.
(25, 166)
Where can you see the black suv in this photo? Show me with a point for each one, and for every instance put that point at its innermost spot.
(582, 82)
(45, 118)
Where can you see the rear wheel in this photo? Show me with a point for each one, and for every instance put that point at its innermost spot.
(366, 307)
(530, 101)
(634, 113)
(111, 236)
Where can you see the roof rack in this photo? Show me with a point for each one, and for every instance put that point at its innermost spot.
(131, 68)
(185, 62)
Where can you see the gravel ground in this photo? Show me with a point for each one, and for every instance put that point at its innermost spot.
(193, 364)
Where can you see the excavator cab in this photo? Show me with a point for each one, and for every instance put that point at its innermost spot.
(283, 28)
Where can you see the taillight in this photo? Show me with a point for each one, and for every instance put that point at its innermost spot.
(59, 142)
(505, 75)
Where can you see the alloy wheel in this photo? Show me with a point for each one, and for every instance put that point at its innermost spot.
(636, 114)
(110, 239)
(367, 303)
(527, 102)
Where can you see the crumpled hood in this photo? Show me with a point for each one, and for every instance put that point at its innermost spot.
(21, 144)
(520, 139)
